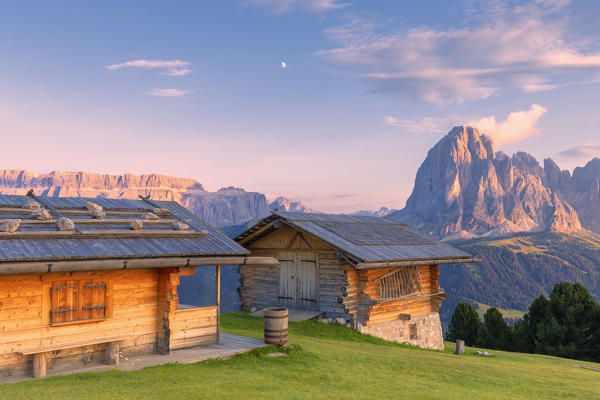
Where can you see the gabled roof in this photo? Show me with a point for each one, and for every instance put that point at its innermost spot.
(110, 237)
(364, 239)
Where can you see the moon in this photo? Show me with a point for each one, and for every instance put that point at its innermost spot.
(283, 64)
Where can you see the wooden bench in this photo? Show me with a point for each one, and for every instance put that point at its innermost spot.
(40, 359)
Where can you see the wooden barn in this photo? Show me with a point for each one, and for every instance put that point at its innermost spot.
(376, 274)
(86, 281)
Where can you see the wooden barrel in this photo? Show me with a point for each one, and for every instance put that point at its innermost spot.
(276, 326)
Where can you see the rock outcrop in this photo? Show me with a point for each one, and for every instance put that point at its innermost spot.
(382, 212)
(465, 188)
(227, 206)
(581, 190)
(284, 204)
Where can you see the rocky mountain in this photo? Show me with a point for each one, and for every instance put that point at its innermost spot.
(284, 204)
(581, 190)
(227, 206)
(466, 189)
(382, 212)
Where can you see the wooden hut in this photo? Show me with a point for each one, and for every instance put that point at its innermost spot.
(377, 274)
(83, 281)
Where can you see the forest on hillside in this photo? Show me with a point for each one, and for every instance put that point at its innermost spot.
(517, 269)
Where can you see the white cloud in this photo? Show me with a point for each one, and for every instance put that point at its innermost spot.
(168, 92)
(285, 6)
(526, 48)
(167, 67)
(518, 126)
(424, 125)
(585, 151)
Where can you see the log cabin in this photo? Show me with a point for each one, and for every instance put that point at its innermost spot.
(87, 281)
(376, 274)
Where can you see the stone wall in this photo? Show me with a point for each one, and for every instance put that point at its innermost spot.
(428, 331)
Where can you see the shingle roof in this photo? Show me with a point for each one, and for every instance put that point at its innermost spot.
(151, 242)
(366, 239)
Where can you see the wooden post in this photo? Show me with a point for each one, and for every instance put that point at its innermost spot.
(168, 279)
(218, 300)
(460, 347)
(113, 353)
(39, 365)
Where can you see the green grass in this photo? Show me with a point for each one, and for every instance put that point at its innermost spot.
(506, 313)
(330, 362)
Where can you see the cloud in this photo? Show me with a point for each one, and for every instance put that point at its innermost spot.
(585, 151)
(424, 125)
(285, 6)
(168, 92)
(526, 48)
(518, 126)
(167, 67)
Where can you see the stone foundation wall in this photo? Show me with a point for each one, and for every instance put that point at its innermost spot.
(428, 331)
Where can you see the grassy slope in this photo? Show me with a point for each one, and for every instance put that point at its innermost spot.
(331, 361)
(512, 314)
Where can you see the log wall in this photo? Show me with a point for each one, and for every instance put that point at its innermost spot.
(343, 291)
(141, 305)
(363, 291)
(191, 327)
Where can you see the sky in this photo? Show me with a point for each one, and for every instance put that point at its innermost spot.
(331, 102)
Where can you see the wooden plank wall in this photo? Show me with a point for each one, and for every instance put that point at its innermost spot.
(363, 289)
(259, 285)
(141, 302)
(25, 316)
(191, 327)
(343, 291)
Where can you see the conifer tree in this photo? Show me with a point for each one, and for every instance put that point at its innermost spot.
(464, 324)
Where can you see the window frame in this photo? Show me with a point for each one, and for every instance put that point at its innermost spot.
(79, 284)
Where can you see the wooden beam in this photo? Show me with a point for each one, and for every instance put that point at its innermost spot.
(218, 299)
(39, 365)
(97, 234)
(123, 221)
(187, 271)
(94, 221)
(129, 263)
(39, 350)
(257, 232)
(371, 265)
(87, 212)
(113, 353)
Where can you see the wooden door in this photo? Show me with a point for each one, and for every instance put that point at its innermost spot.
(307, 281)
(287, 280)
(298, 280)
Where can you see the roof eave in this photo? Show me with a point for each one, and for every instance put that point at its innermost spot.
(407, 263)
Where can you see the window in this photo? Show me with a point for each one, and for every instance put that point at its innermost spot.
(399, 283)
(77, 300)
(413, 332)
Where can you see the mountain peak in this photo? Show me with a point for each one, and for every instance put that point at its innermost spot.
(284, 204)
(464, 186)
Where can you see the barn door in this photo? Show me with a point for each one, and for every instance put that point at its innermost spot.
(307, 281)
(298, 280)
(287, 280)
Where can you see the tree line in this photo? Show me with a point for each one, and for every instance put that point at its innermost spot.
(566, 324)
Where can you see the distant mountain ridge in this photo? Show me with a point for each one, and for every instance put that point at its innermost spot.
(284, 204)
(382, 212)
(465, 189)
(227, 206)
